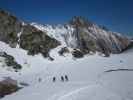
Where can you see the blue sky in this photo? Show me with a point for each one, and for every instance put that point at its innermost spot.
(117, 15)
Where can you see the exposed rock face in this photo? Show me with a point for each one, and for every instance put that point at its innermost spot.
(91, 37)
(10, 26)
(77, 53)
(10, 61)
(63, 51)
(8, 86)
(36, 41)
(14, 32)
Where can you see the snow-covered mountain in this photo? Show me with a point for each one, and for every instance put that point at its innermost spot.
(44, 59)
(79, 34)
(86, 36)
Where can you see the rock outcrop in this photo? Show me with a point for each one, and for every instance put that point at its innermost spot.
(91, 37)
(36, 41)
(8, 86)
(10, 61)
(17, 33)
(10, 26)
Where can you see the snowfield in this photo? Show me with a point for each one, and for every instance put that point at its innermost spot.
(89, 78)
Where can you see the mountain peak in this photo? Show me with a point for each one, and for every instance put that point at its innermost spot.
(80, 21)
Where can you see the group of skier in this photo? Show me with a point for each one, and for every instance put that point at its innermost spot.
(62, 78)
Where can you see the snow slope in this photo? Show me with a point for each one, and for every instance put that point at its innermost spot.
(87, 77)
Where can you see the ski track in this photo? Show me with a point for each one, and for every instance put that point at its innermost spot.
(61, 95)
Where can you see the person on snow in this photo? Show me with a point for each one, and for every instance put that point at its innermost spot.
(54, 79)
(66, 77)
(62, 78)
(39, 79)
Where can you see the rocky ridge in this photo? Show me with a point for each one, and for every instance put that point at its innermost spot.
(86, 36)
(17, 33)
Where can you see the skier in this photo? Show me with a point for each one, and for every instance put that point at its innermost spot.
(54, 79)
(66, 77)
(62, 78)
(39, 79)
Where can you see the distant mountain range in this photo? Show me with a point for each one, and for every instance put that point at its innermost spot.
(79, 37)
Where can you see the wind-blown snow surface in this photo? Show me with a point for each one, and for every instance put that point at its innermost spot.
(87, 77)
